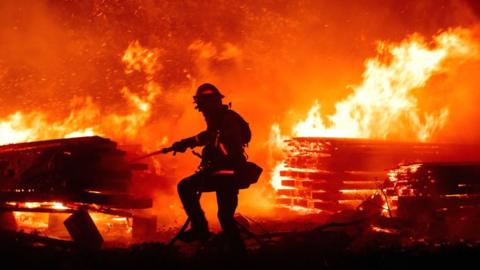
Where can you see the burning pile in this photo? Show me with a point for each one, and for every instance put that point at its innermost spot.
(449, 189)
(430, 201)
(67, 176)
(324, 171)
(331, 174)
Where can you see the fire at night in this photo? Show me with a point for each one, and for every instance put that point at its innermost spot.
(195, 134)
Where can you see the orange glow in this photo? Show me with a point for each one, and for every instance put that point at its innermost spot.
(383, 230)
(127, 70)
(86, 118)
(31, 205)
(138, 58)
(58, 205)
(112, 228)
(384, 103)
(277, 178)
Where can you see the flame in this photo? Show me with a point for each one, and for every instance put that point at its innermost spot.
(383, 105)
(277, 178)
(138, 58)
(58, 205)
(32, 205)
(86, 118)
(276, 140)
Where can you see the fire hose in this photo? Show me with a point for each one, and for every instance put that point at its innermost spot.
(161, 151)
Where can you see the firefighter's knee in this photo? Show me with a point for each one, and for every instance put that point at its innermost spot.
(183, 186)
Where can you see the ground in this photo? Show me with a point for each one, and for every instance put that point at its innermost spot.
(331, 247)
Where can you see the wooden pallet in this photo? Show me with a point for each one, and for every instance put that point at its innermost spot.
(337, 173)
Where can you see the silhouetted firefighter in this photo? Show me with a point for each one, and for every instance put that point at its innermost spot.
(223, 169)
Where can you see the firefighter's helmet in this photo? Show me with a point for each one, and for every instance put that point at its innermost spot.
(207, 90)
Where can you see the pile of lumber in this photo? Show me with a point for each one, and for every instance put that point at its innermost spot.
(437, 187)
(331, 174)
(88, 170)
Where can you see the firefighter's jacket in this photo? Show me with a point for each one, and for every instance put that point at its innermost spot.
(222, 141)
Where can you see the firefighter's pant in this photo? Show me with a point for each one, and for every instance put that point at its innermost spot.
(227, 200)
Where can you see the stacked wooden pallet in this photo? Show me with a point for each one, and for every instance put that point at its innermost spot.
(436, 187)
(331, 174)
(89, 170)
(77, 176)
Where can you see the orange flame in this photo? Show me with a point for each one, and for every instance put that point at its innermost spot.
(86, 118)
(138, 58)
(383, 105)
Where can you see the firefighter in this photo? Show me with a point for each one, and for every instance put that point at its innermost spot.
(223, 154)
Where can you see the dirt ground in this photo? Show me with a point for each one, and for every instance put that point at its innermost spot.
(350, 246)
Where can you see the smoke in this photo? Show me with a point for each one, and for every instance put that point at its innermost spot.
(272, 59)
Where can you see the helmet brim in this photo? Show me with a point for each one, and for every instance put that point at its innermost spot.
(196, 97)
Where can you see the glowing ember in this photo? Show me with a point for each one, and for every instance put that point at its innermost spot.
(112, 228)
(32, 205)
(58, 205)
(383, 230)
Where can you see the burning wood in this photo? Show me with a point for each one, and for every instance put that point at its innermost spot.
(331, 174)
(67, 176)
(430, 201)
(444, 188)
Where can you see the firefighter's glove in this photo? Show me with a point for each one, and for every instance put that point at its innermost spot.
(180, 146)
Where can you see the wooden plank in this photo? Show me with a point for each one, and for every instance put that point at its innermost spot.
(342, 185)
(343, 165)
(114, 200)
(289, 183)
(293, 193)
(296, 184)
(35, 210)
(328, 206)
(334, 175)
(361, 195)
(283, 201)
(300, 202)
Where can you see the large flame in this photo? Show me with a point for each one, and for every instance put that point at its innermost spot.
(384, 105)
(86, 118)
